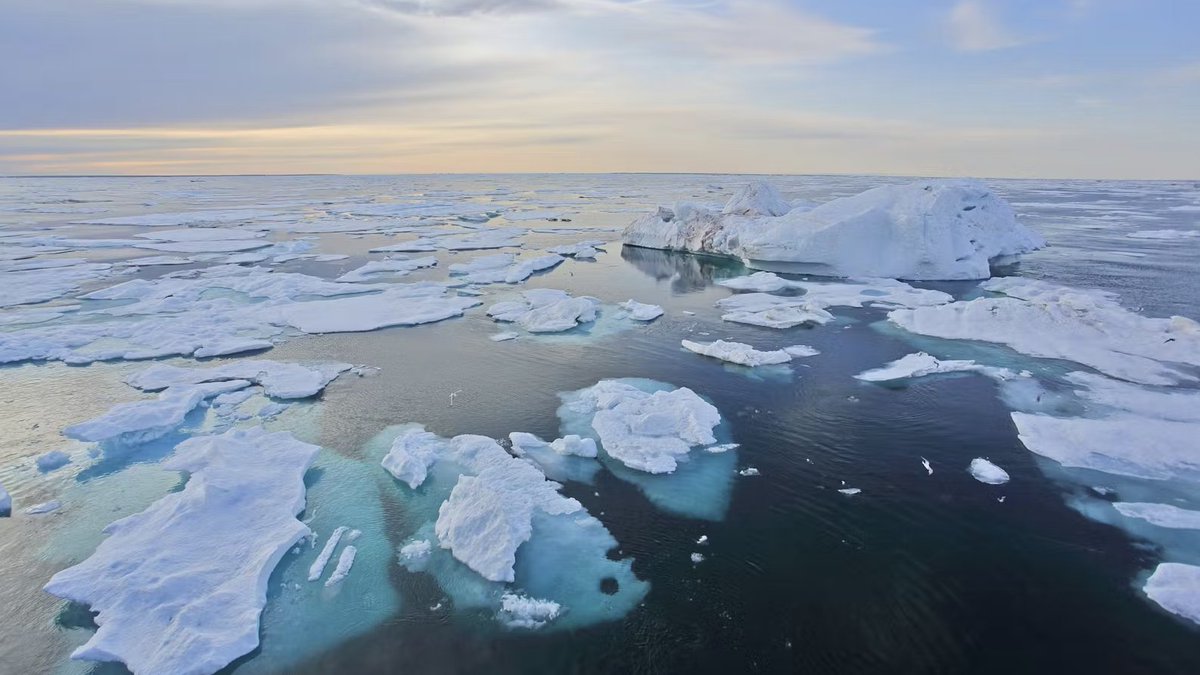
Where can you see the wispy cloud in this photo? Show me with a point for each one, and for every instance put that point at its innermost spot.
(972, 26)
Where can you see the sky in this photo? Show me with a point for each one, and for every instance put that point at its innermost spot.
(990, 88)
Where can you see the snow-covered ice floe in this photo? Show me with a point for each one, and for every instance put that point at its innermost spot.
(924, 230)
(546, 310)
(772, 311)
(497, 528)
(1049, 321)
(647, 432)
(396, 267)
(277, 378)
(180, 586)
(399, 305)
(743, 354)
(1162, 515)
(1176, 588)
(921, 364)
(848, 293)
(985, 471)
(639, 311)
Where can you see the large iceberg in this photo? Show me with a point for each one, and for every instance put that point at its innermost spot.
(926, 230)
(180, 586)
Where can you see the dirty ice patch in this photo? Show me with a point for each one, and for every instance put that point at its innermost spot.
(1048, 321)
(652, 434)
(488, 524)
(165, 604)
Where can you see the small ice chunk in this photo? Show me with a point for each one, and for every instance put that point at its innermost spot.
(345, 562)
(928, 467)
(748, 471)
(772, 311)
(415, 550)
(702, 540)
(801, 351)
(850, 491)
(574, 445)
(697, 558)
(411, 455)
(1176, 588)
(44, 507)
(986, 472)
(55, 459)
(641, 311)
(519, 611)
(318, 566)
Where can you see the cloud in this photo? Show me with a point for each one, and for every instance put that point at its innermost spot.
(973, 27)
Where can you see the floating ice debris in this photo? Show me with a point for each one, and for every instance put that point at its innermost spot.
(519, 611)
(141, 421)
(748, 471)
(1162, 515)
(1164, 234)
(924, 230)
(772, 311)
(641, 311)
(850, 491)
(179, 587)
(318, 566)
(277, 378)
(399, 267)
(345, 562)
(411, 455)
(507, 237)
(504, 336)
(986, 472)
(737, 352)
(415, 550)
(723, 447)
(546, 310)
(44, 507)
(1176, 588)
(583, 250)
(801, 351)
(697, 558)
(574, 445)
(400, 305)
(1087, 327)
(644, 431)
(928, 467)
(762, 282)
(921, 364)
(55, 459)
(702, 540)
(5, 502)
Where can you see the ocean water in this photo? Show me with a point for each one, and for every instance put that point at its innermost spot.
(917, 573)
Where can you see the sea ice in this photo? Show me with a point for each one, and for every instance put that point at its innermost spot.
(503, 268)
(641, 311)
(921, 364)
(1049, 321)
(277, 378)
(1123, 444)
(1176, 588)
(345, 562)
(504, 336)
(737, 352)
(925, 230)
(141, 421)
(986, 472)
(545, 310)
(401, 305)
(318, 566)
(574, 445)
(55, 459)
(374, 269)
(519, 611)
(1164, 234)
(411, 455)
(1162, 515)
(772, 311)
(165, 603)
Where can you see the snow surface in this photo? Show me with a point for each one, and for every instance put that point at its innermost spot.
(925, 230)
(164, 603)
(986, 472)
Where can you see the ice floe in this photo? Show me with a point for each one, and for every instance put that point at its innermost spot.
(277, 378)
(1088, 327)
(141, 421)
(1176, 588)
(921, 364)
(737, 352)
(1164, 234)
(546, 310)
(344, 563)
(400, 305)
(317, 569)
(166, 604)
(639, 311)
(923, 230)
(772, 311)
(43, 508)
(1162, 515)
(397, 267)
(986, 472)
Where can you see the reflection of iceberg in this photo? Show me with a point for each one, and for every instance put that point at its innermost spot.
(927, 230)
(657, 447)
(495, 528)
(687, 273)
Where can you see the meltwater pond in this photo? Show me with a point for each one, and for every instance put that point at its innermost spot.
(814, 521)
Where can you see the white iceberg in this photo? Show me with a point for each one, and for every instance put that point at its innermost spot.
(986, 472)
(925, 230)
(165, 603)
